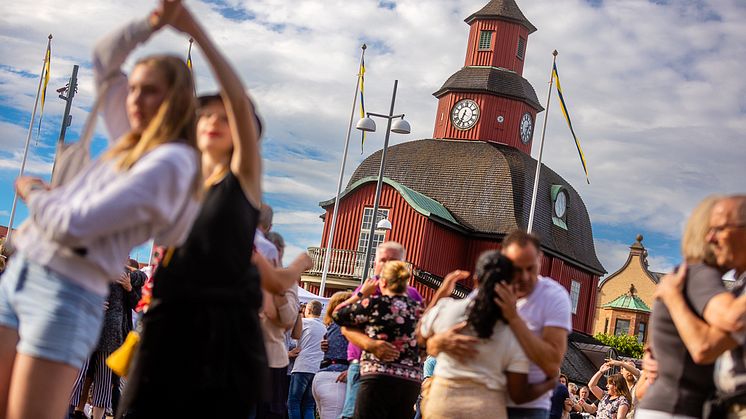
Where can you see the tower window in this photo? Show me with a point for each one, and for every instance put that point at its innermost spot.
(521, 48)
(575, 295)
(485, 40)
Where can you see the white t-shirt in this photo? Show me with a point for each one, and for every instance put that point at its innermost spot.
(310, 357)
(498, 354)
(547, 306)
(266, 248)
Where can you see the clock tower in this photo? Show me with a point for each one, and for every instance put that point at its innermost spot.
(488, 99)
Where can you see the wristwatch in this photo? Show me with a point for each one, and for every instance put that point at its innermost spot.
(360, 294)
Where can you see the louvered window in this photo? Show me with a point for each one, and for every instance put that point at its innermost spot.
(521, 47)
(485, 40)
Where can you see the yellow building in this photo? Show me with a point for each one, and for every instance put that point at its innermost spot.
(625, 297)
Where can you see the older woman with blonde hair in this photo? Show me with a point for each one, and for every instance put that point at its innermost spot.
(329, 384)
(388, 389)
(683, 384)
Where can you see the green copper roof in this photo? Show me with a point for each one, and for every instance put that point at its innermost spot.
(628, 302)
(420, 202)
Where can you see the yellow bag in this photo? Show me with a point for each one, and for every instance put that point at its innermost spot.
(119, 361)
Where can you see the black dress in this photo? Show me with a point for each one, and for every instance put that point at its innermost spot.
(202, 352)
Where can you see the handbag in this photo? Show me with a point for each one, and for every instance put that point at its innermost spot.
(120, 360)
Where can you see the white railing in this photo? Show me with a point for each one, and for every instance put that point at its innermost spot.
(343, 263)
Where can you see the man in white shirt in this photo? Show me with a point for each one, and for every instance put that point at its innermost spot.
(537, 309)
(301, 403)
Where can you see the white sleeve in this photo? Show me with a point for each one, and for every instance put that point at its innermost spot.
(517, 360)
(153, 191)
(427, 323)
(108, 56)
(557, 310)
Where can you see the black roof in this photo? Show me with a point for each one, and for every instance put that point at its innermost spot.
(487, 187)
(498, 81)
(503, 10)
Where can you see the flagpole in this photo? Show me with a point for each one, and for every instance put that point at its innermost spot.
(327, 256)
(541, 148)
(28, 142)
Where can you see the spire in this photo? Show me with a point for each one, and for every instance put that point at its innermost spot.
(504, 10)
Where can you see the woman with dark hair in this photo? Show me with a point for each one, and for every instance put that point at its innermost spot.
(467, 388)
(613, 403)
(202, 352)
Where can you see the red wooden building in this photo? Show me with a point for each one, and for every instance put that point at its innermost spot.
(451, 197)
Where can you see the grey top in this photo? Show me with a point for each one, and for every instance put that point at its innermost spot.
(682, 386)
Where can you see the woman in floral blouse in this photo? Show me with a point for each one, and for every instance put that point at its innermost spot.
(387, 389)
(613, 403)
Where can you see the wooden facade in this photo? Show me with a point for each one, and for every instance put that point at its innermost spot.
(504, 41)
(438, 237)
(499, 119)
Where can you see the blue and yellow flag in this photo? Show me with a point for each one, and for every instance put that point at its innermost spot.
(189, 65)
(45, 77)
(362, 98)
(569, 123)
(189, 55)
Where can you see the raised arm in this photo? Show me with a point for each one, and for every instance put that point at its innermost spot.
(246, 161)
(277, 280)
(593, 383)
(109, 54)
(626, 365)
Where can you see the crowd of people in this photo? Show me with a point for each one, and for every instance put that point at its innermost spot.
(220, 328)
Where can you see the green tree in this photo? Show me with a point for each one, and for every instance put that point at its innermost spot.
(626, 345)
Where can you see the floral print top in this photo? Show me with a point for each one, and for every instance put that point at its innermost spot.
(608, 407)
(389, 318)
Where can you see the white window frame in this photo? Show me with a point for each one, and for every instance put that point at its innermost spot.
(575, 287)
(378, 238)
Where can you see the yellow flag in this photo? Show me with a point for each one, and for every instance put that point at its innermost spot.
(47, 62)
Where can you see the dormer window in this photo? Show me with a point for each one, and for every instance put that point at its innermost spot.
(521, 48)
(559, 206)
(485, 40)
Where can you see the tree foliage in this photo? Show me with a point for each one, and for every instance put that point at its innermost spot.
(625, 345)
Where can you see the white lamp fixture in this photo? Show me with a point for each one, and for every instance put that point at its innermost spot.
(401, 126)
(384, 225)
(366, 124)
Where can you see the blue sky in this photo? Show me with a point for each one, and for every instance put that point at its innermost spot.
(655, 90)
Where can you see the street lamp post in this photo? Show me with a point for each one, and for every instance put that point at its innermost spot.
(400, 127)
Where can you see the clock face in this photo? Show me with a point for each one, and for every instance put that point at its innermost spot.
(465, 114)
(560, 204)
(527, 127)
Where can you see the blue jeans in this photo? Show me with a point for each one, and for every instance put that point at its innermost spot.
(301, 404)
(353, 381)
(517, 413)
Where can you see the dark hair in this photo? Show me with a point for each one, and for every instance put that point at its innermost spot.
(492, 267)
(521, 238)
(132, 263)
(206, 99)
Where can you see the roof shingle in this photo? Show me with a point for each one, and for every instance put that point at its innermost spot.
(487, 187)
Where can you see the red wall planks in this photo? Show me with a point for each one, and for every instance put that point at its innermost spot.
(487, 127)
(504, 46)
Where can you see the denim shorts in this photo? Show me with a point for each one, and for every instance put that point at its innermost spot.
(56, 319)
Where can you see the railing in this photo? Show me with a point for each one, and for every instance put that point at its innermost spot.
(344, 263)
(349, 264)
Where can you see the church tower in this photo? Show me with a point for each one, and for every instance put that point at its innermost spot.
(488, 99)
